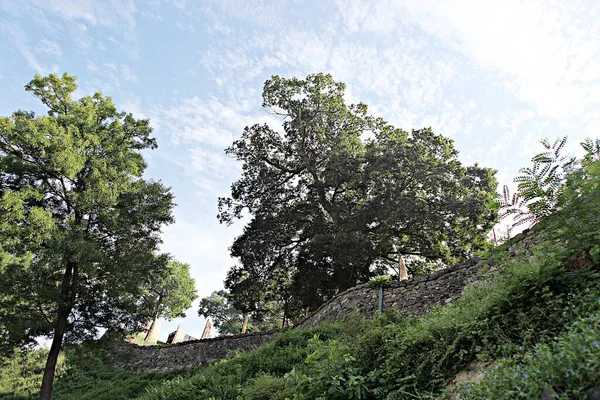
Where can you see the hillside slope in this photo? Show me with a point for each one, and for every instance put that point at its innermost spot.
(535, 323)
(531, 322)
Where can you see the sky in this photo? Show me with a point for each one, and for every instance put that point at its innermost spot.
(495, 76)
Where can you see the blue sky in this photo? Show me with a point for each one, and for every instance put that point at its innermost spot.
(496, 76)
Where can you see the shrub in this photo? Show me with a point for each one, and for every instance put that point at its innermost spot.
(569, 366)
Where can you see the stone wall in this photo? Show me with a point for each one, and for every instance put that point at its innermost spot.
(131, 357)
(412, 297)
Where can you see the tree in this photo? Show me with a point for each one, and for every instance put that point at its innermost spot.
(79, 225)
(229, 319)
(225, 317)
(339, 193)
(539, 187)
(171, 293)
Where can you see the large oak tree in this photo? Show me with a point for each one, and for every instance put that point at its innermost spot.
(336, 194)
(79, 225)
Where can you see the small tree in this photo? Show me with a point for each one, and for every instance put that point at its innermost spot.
(538, 187)
(171, 293)
(225, 317)
(79, 226)
(221, 308)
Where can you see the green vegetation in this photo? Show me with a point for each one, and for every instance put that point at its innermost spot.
(536, 317)
(229, 320)
(79, 225)
(337, 196)
(79, 231)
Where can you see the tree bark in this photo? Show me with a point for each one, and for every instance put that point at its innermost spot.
(48, 379)
(245, 324)
(284, 314)
(67, 301)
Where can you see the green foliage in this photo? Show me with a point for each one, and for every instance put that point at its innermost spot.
(228, 319)
(380, 281)
(592, 151)
(79, 224)
(224, 316)
(245, 372)
(535, 312)
(329, 372)
(171, 293)
(539, 186)
(569, 366)
(82, 373)
(524, 304)
(329, 208)
(510, 312)
(265, 387)
(20, 373)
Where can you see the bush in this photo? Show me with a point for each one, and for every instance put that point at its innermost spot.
(329, 372)
(20, 374)
(569, 366)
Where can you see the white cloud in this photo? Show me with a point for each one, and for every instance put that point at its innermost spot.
(545, 51)
(107, 13)
(19, 40)
(49, 48)
(210, 122)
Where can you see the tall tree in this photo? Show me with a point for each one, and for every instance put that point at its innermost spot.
(79, 226)
(338, 192)
(171, 293)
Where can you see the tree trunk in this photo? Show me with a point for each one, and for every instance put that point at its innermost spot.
(245, 324)
(68, 293)
(48, 379)
(284, 314)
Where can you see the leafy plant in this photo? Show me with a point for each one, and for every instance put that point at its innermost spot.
(329, 372)
(79, 225)
(592, 150)
(568, 366)
(539, 186)
(380, 281)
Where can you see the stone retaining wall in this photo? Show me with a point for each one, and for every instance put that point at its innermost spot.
(131, 357)
(412, 297)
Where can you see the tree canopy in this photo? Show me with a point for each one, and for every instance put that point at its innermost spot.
(336, 195)
(171, 293)
(79, 225)
(229, 320)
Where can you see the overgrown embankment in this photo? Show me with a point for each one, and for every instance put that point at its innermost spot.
(536, 316)
(534, 323)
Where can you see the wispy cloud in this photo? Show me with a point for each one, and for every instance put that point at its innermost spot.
(106, 13)
(19, 40)
(546, 52)
(49, 48)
